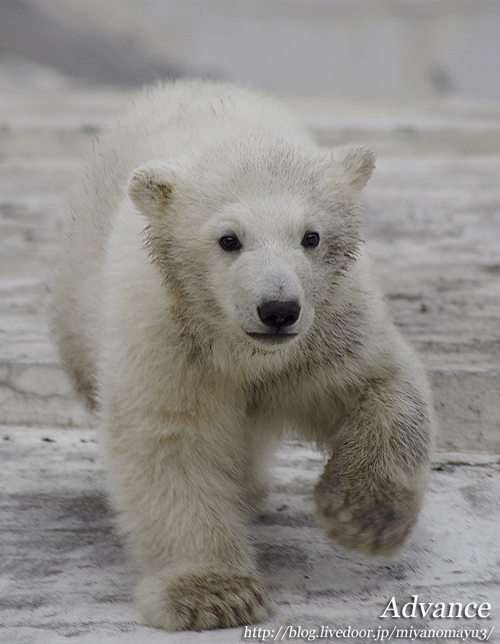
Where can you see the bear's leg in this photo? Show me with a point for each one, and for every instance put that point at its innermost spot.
(371, 490)
(260, 446)
(180, 504)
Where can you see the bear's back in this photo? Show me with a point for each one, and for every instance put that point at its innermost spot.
(167, 119)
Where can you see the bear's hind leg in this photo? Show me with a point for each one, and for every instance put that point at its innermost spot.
(261, 445)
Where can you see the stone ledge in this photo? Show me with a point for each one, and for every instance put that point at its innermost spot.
(37, 141)
(41, 123)
(466, 402)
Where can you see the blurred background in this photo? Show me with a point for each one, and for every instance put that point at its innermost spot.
(408, 50)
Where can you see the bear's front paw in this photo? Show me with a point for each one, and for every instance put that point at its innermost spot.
(206, 600)
(369, 516)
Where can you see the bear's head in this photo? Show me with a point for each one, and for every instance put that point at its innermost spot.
(253, 235)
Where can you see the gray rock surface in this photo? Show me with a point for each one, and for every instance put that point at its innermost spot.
(66, 577)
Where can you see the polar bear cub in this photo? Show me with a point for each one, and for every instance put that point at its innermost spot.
(210, 295)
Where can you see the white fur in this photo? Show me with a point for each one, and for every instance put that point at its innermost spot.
(153, 319)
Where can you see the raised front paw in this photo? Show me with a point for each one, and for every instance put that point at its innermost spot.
(370, 516)
(206, 600)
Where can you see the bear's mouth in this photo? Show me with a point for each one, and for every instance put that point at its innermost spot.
(273, 338)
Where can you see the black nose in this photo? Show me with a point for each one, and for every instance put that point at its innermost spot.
(279, 314)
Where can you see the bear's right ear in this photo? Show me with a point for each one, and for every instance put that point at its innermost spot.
(354, 164)
(151, 187)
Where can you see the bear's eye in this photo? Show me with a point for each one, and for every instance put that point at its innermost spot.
(310, 240)
(230, 242)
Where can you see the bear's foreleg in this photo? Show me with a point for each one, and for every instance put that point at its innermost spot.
(371, 490)
(181, 508)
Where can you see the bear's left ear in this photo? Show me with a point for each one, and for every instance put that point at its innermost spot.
(151, 187)
(353, 164)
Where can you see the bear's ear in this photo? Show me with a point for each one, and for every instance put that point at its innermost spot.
(151, 187)
(353, 164)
